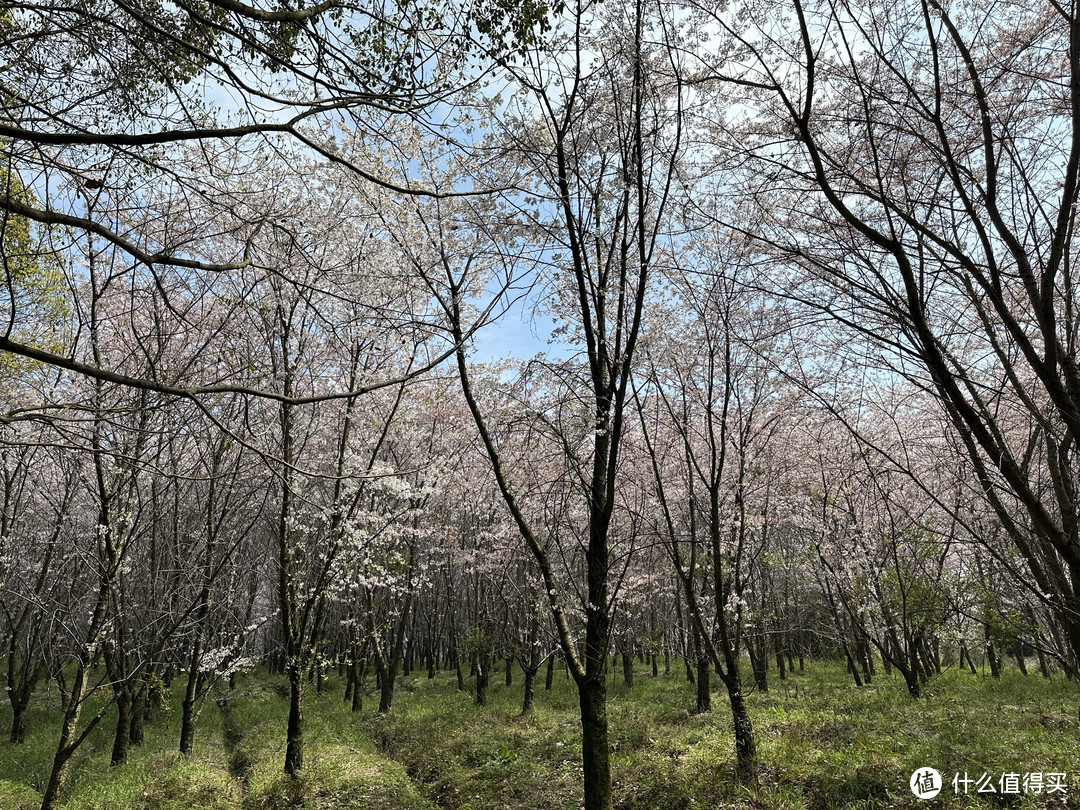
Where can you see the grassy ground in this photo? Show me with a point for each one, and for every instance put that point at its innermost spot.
(822, 744)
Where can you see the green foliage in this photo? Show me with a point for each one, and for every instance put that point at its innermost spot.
(34, 298)
(503, 757)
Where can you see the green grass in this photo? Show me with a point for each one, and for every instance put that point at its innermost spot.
(155, 778)
(823, 745)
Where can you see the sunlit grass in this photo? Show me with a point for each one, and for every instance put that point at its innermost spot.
(822, 744)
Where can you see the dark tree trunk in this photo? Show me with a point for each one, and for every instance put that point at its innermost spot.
(911, 680)
(530, 687)
(864, 662)
(122, 737)
(358, 692)
(758, 663)
(18, 721)
(628, 669)
(592, 698)
(964, 653)
(294, 735)
(187, 716)
(549, 678)
(992, 656)
(704, 692)
(482, 674)
(139, 703)
(386, 691)
(745, 748)
(854, 670)
(1044, 668)
(1020, 662)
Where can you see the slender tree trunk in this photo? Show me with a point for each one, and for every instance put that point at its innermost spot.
(294, 735)
(992, 656)
(1044, 668)
(530, 688)
(1020, 661)
(350, 681)
(139, 701)
(852, 668)
(482, 674)
(704, 687)
(187, 718)
(386, 691)
(122, 737)
(18, 721)
(964, 653)
(359, 669)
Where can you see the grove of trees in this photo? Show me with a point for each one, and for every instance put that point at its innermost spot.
(811, 388)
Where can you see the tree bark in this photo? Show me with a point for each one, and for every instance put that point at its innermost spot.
(294, 736)
(592, 698)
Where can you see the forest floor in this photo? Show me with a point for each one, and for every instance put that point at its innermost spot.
(822, 744)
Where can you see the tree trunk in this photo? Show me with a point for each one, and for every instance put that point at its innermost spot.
(386, 690)
(758, 663)
(745, 747)
(122, 738)
(992, 656)
(137, 728)
(358, 669)
(704, 692)
(350, 681)
(530, 681)
(549, 678)
(911, 679)
(1044, 668)
(294, 737)
(628, 669)
(1020, 661)
(482, 674)
(965, 654)
(852, 668)
(592, 698)
(187, 718)
(18, 721)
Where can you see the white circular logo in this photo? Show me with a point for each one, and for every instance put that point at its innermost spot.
(925, 783)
